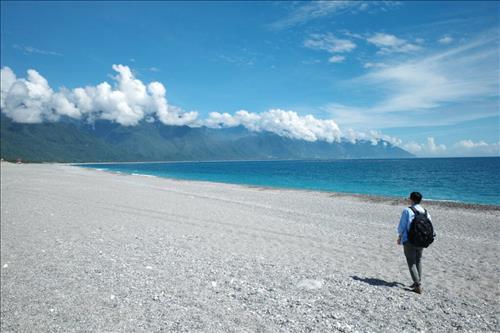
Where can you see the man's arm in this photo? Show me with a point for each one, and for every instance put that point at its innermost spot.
(402, 225)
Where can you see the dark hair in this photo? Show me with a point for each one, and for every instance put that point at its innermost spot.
(416, 197)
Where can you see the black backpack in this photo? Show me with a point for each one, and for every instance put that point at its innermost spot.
(421, 233)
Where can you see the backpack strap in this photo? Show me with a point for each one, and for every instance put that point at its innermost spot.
(416, 212)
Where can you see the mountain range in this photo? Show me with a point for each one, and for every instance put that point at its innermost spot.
(105, 141)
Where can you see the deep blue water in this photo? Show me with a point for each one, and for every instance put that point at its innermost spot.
(470, 180)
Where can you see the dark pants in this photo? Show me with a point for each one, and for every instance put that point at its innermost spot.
(413, 256)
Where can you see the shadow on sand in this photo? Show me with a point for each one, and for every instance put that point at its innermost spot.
(378, 282)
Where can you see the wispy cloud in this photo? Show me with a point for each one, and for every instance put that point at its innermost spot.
(331, 44)
(374, 65)
(428, 86)
(311, 61)
(236, 60)
(33, 50)
(305, 12)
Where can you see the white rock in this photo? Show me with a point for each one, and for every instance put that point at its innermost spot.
(310, 284)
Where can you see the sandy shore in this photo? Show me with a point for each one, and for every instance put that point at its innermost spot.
(85, 250)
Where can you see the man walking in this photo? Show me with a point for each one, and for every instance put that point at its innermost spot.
(413, 253)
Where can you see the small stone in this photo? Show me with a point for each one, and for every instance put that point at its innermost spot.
(310, 284)
(149, 267)
(6, 265)
(112, 297)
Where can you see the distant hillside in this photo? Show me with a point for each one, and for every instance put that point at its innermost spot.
(72, 141)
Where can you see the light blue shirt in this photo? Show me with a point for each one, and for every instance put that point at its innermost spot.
(405, 221)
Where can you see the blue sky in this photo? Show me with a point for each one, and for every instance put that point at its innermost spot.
(424, 75)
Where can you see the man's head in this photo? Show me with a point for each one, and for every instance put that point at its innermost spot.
(415, 197)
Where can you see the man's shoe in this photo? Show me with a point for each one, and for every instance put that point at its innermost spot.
(417, 289)
(414, 285)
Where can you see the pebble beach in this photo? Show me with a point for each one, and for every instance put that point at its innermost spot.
(84, 250)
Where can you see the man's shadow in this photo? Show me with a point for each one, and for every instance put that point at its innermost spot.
(380, 283)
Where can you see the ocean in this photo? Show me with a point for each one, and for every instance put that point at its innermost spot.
(467, 180)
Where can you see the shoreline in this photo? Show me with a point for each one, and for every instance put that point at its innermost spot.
(395, 201)
(265, 160)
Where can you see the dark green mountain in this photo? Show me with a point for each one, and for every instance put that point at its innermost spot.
(72, 141)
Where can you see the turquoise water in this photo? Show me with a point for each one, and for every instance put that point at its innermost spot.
(470, 180)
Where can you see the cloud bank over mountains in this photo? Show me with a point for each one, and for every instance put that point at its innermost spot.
(129, 101)
(283, 123)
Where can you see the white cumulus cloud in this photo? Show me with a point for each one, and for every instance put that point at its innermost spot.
(28, 100)
(373, 136)
(329, 43)
(388, 43)
(446, 40)
(479, 148)
(471, 144)
(336, 59)
(462, 148)
(127, 101)
(429, 148)
(433, 147)
(284, 123)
